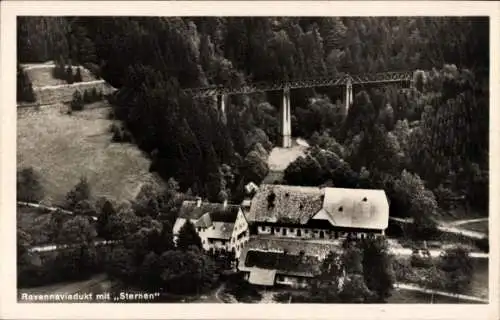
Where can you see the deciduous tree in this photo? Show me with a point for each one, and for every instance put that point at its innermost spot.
(28, 185)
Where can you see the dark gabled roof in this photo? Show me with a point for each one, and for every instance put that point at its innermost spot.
(190, 210)
(228, 216)
(311, 247)
(296, 257)
(286, 204)
(283, 263)
(341, 207)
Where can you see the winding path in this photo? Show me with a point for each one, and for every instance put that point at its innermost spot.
(411, 287)
(467, 221)
(435, 253)
(49, 208)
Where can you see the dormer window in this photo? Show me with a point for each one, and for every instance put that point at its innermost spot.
(341, 209)
(364, 199)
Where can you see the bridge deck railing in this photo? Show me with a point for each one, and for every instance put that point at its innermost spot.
(339, 79)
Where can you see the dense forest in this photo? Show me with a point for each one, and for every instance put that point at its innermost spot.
(423, 145)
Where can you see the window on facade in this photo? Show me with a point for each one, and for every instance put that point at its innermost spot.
(284, 231)
(277, 229)
(211, 241)
(321, 234)
(299, 232)
(198, 229)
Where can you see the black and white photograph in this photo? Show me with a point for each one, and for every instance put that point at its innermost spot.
(252, 159)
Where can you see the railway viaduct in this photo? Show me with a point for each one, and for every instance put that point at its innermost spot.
(346, 81)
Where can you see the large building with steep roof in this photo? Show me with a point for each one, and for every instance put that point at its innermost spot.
(322, 213)
(221, 226)
(293, 229)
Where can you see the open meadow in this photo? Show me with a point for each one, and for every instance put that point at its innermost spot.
(62, 148)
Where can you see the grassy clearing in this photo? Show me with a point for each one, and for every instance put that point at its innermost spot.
(280, 158)
(62, 148)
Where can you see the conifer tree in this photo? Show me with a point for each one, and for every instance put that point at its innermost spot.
(188, 236)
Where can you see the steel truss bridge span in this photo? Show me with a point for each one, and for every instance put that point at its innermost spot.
(339, 80)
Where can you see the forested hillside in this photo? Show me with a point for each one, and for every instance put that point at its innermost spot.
(423, 145)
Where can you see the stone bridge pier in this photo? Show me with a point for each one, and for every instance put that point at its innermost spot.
(349, 97)
(222, 102)
(285, 120)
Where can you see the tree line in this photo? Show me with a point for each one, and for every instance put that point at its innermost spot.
(144, 255)
(149, 60)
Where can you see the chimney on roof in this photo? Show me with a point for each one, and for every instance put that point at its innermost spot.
(198, 201)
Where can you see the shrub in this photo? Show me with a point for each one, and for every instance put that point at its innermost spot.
(458, 268)
(282, 297)
(69, 75)
(80, 192)
(424, 232)
(117, 132)
(483, 244)
(29, 188)
(86, 96)
(24, 86)
(94, 95)
(93, 68)
(120, 134)
(77, 103)
(78, 75)
(242, 290)
(59, 71)
(111, 114)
